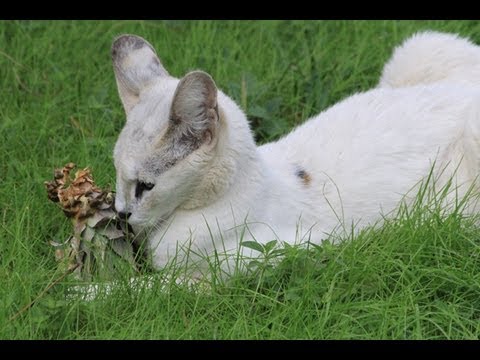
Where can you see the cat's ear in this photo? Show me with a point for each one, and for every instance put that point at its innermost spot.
(194, 111)
(136, 65)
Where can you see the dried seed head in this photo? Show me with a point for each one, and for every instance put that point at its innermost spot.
(97, 231)
(79, 197)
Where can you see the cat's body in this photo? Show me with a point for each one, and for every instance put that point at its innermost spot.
(190, 175)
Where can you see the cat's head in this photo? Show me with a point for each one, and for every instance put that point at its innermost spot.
(170, 137)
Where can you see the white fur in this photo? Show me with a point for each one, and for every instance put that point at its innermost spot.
(430, 57)
(362, 156)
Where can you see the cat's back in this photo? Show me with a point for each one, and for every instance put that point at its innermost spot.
(362, 155)
(377, 122)
(381, 142)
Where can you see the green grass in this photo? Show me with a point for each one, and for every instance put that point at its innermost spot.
(416, 277)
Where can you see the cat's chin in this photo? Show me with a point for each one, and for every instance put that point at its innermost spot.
(145, 226)
(142, 232)
(139, 225)
(137, 229)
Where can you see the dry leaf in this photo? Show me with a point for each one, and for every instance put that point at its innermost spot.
(101, 242)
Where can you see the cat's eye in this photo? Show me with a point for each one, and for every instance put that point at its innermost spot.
(141, 187)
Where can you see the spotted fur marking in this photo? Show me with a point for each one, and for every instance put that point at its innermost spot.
(304, 176)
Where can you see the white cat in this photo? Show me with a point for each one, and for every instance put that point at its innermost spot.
(190, 174)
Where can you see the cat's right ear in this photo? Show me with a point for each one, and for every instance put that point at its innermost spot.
(136, 65)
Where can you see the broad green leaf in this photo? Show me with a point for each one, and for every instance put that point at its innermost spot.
(270, 245)
(253, 245)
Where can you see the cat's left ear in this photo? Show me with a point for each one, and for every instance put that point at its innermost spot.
(194, 111)
(136, 66)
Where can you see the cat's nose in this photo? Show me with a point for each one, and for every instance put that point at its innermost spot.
(124, 216)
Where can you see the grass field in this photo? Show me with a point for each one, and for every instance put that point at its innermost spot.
(416, 277)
